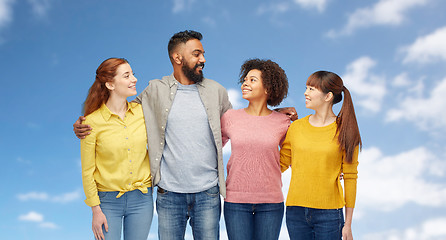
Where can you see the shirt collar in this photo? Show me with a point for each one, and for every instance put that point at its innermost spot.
(172, 81)
(107, 114)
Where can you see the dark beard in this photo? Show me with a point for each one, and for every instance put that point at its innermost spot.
(190, 73)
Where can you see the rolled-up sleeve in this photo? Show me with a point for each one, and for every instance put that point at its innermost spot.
(88, 160)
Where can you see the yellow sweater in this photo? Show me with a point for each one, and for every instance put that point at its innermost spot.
(316, 163)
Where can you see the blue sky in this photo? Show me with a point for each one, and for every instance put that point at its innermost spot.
(390, 53)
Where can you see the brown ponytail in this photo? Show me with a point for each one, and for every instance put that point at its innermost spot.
(347, 126)
(98, 93)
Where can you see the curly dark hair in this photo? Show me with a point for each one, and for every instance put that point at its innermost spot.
(273, 76)
(182, 37)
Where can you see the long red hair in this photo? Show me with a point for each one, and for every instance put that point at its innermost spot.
(99, 93)
(347, 126)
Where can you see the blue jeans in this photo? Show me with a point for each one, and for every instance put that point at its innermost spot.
(202, 208)
(246, 221)
(314, 224)
(133, 211)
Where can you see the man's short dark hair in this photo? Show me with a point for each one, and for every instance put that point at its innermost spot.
(182, 37)
(273, 76)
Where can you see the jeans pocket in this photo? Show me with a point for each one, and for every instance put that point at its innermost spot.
(213, 191)
(102, 194)
(161, 191)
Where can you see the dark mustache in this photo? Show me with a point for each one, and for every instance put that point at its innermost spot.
(199, 65)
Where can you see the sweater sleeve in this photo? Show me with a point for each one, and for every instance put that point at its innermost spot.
(285, 151)
(224, 129)
(350, 171)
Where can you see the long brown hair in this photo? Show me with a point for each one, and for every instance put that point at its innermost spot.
(99, 93)
(347, 126)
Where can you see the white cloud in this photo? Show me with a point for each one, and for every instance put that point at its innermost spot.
(428, 113)
(284, 231)
(24, 161)
(37, 218)
(402, 80)
(367, 89)
(48, 225)
(209, 21)
(223, 234)
(286, 178)
(235, 97)
(309, 4)
(152, 235)
(5, 12)
(227, 148)
(432, 229)
(273, 8)
(67, 197)
(33, 196)
(384, 12)
(386, 183)
(182, 5)
(42, 196)
(427, 48)
(40, 7)
(276, 8)
(33, 126)
(31, 217)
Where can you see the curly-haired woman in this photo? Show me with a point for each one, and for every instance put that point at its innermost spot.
(253, 207)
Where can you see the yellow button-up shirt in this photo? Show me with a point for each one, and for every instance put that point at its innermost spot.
(114, 156)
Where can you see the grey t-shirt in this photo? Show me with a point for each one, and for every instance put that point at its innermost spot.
(189, 161)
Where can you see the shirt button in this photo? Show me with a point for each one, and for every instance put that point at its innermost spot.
(156, 159)
(162, 127)
(167, 110)
(130, 161)
(131, 172)
(160, 143)
(127, 138)
(125, 127)
(128, 149)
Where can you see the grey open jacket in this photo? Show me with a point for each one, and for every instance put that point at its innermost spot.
(156, 101)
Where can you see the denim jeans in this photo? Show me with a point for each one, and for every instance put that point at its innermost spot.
(133, 211)
(202, 208)
(314, 224)
(246, 221)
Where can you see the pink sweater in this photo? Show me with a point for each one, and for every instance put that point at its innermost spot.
(254, 174)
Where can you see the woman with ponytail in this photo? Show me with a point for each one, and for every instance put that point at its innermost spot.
(320, 148)
(115, 162)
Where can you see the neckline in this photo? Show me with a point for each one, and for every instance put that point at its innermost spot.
(323, 127)
(244, 111)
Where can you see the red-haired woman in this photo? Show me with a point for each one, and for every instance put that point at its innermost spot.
(319, 148)
(115, 162)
